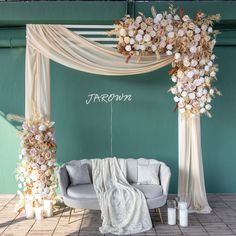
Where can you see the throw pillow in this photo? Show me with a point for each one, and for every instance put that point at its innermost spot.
(79, 174)
(148, 174)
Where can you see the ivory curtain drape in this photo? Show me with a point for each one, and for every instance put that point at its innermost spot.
(191, 185)
(55, 42)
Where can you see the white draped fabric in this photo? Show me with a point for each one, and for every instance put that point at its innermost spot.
(191, 187)
(55, 42)
(124, 208)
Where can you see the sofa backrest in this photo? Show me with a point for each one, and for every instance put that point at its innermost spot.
(132, 166)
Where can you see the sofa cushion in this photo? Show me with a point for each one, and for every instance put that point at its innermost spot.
(81, 191)
(79, 174)
(148, 174)
(150, 190)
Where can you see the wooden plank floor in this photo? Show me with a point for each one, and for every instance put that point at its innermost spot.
(222, 221)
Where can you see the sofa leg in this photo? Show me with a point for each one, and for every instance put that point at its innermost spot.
(70, 215)
(159, 211)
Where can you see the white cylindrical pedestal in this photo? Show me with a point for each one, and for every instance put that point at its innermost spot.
(183, 214)
(47, 208)
(38, 213)
(29, 209)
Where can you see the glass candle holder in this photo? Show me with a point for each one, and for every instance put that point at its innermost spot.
(183, 214)
(29, 209)
(171, 212)
(38, 213)
(47, 208)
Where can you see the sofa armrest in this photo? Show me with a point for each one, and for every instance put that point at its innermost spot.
(64, 180)
(165, 175)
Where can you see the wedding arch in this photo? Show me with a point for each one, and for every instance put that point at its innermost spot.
(148, 44)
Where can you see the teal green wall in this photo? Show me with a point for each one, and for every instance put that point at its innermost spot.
(145, 127)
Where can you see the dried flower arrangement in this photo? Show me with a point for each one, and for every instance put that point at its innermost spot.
(189, 41)
(36, 172)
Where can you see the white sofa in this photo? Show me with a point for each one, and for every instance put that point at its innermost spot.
(84, 196)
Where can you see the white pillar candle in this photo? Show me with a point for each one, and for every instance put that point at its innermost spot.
(38, 213)
(171, 216)
(29, 210)
(171, 212)
(183, 214)
(47, 208)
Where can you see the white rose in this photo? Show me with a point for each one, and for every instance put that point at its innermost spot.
(171, 34)
(140, 32)
(193, 63)
(197, 82)
(142, 47)
(197, 30)
(202, 110)
(128, 48)
(213, 57)
(174, 78)
(191, 96)
(180, 74)
(201, 104)
(173, 90)
(208, 107)
(185, 18)
(164, 22)
(203, 98)
(131, 33)
(204, 27)
(123, 32)
(42, 127)
(169, 46)
(193, 49)
(139, 37)
(176, 17)
(154, 48)
(206, 68)
(189, 106)
(202, 62)
(162, 44)
(197, 37)
(190, 74)
(139, 19)
(24, 151)
(20, 185)
(211, 91)
(180, 33)
(169, 28)
(147, 37)
(177, 56)
(213, 74)
(153, 33)
(184, 94)
(44, 167)
(168, 53)
(126, 39)
(186, 62)
(204, 91)
(210, 63)
(199, 94)
(132, 41)
(210, 30)
(176, 99)
(157, 18)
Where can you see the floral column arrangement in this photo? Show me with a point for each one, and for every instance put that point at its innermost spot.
(36, 172)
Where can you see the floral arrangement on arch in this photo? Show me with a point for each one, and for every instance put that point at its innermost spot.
(36, 172)
(189, 41)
